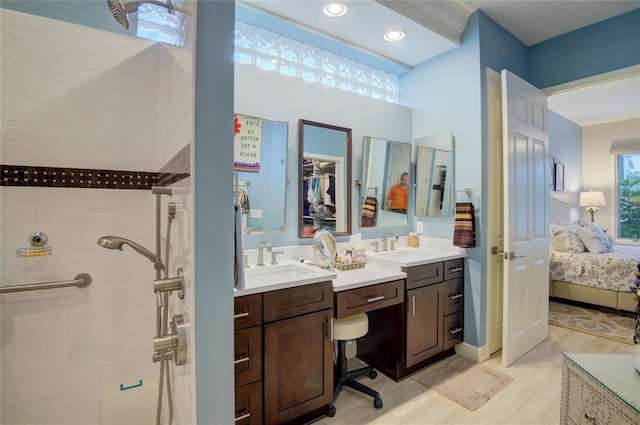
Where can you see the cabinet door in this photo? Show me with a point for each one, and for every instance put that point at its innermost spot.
(249, 404)
(424, 323)
(248, 355)
(298, 366)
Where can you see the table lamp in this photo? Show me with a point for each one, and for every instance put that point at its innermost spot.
(592, 200)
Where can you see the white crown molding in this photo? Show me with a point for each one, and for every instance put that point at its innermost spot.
(446, 18)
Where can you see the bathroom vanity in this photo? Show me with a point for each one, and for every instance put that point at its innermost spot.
(283, 342)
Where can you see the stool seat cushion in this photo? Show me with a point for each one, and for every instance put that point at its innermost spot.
(351, 327)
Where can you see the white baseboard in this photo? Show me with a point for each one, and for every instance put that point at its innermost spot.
(478, 354)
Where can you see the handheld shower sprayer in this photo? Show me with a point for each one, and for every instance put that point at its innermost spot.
(120, 9)
(116, 242)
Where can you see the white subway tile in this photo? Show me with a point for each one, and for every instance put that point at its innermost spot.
(17, 66)
(27, 47)
(17, 218)
(33, 90)
(20, 23)
(47, 156)
(19, 349)
(76, 36)
(128, 46)
(102, 61)
(71, 75)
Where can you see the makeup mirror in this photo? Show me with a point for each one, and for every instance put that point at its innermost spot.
(324, 170)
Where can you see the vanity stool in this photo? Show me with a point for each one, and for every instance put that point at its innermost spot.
(347, 328)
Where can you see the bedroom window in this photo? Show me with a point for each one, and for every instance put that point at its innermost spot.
(628, 191)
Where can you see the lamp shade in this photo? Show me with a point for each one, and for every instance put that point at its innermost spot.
(592, 199)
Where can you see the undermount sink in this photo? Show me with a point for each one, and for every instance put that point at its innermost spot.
(285, 274)
(407, 257)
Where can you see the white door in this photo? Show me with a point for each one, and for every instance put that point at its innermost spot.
(526, 244)
(495, 223)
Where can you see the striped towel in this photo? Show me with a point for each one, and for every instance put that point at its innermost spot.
(369, 211)
(464, 232)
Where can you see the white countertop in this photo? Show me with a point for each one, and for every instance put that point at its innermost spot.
(371, 274)
(380, 268)
(409, 257)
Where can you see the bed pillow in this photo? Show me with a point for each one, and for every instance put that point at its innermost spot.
(594, 239)
(565, 239)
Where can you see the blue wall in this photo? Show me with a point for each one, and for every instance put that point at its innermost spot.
(213, 219)
(602, 47)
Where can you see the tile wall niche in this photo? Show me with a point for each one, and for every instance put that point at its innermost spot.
(78, 98)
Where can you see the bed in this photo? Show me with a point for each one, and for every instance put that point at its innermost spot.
(601, 279)
(585, 266)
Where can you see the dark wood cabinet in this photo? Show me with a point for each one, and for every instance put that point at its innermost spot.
(283, 354)
(298, 351)
(424, 323)
(248, 359)
(431, 320)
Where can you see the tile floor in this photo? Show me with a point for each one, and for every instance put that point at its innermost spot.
(533, 397)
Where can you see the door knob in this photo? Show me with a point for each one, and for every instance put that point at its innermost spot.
(513, 255)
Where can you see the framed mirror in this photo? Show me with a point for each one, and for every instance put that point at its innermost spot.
(434, 191)
(324, 178)
(260, 163)
(385, 182)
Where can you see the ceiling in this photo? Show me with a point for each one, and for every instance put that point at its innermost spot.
(434, 27)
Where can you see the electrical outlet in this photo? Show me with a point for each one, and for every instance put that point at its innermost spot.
(254, 213)
(419, 227)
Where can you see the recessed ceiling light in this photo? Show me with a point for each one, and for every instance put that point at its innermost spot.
(335, 9)
(394, 35)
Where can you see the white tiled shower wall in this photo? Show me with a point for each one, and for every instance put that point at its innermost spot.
(77, 97)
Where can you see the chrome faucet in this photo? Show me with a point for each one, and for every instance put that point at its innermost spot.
(385, 238)
(261, 247)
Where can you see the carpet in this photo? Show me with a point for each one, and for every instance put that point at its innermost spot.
(592, 321)
(464, 381)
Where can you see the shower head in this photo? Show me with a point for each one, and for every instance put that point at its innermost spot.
(116, 242)
(120, 9)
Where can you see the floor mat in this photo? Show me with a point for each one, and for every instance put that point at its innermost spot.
(591, 321)
(464, 381)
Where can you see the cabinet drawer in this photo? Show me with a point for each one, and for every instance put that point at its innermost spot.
(454, 269)
(453, 329)
(426, 274)
(368, 298)
(247, 311)
(249, 404)
(453, 296)
(247, 355)
(293, 302)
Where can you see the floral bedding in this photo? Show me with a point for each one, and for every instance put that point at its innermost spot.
(612, 270)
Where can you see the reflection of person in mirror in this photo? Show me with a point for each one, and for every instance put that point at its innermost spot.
(398, 195)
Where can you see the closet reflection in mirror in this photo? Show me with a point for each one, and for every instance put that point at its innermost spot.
(385, 182)
(434, 176)
(260, 162)
(324, 158)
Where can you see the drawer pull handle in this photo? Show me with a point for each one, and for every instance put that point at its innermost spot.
(413, 305)
(454, 270)
(378, 298)
(241, 360)
(239, 418)
(455, 297)
(590, 416)
(240, 315)
(455, 331)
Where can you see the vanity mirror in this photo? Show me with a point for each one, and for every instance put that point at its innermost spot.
(260, 162)
(324, 170)
(434, 176)
(385, 175)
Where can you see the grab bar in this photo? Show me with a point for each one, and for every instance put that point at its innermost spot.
(81, 280)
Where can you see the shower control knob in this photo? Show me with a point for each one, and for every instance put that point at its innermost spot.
(176, 341)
